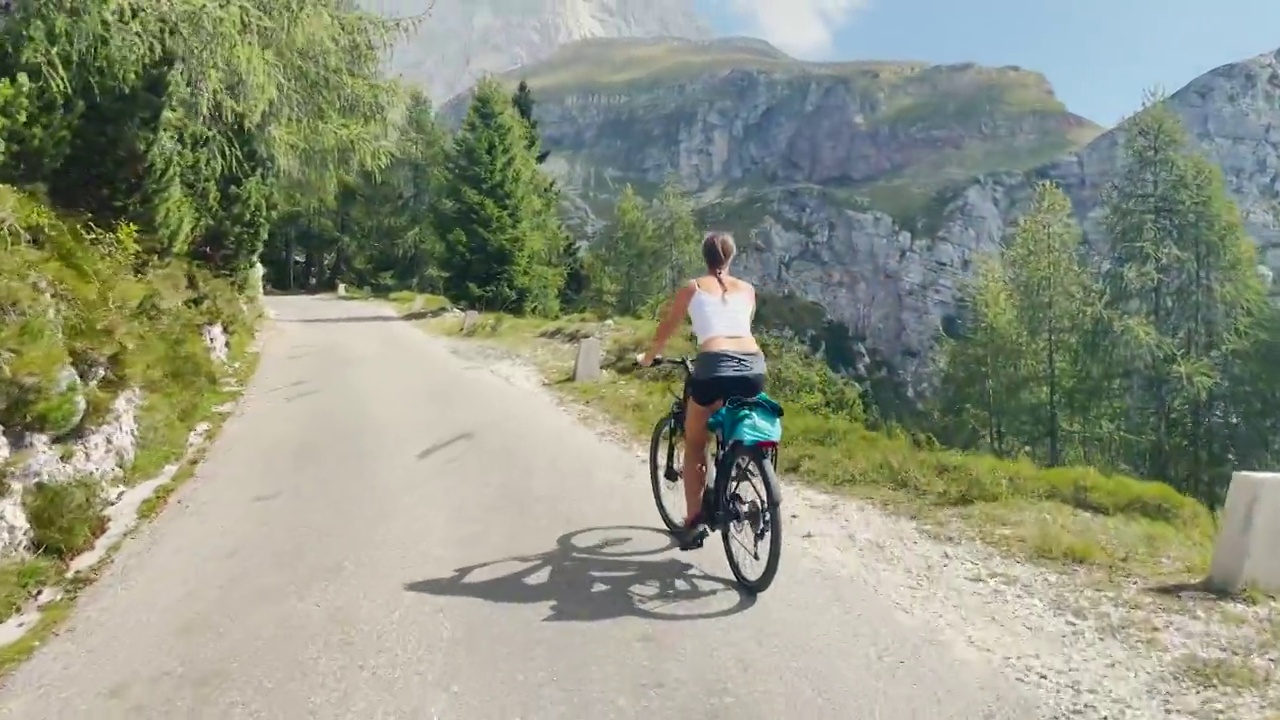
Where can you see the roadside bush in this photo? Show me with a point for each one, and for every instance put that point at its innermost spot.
(428, 305)
(65, 518)
(82, 318)
(20, 580)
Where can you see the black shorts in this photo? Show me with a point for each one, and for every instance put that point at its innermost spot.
(711, 390)
(718, 376)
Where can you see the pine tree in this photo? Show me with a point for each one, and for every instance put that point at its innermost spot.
(13, 106)
(241, 218)
(163, 205)
(502, 232)
(626, 267)
(573, 296)
(1056, 299)
(678, 236)
(985, 370)
(1252, 380)
(523, 102)
(132, 120)
(647, 251)
(1182, 285)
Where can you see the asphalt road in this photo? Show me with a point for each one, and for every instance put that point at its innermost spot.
(386, 530)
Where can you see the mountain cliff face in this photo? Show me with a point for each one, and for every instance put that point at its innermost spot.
(896, 290)
(865, 191)
(793, 156)
(458, 41)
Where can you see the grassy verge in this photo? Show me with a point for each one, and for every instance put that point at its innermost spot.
(160, 498)
(1110, 526)
(406, 302)
(20, 580)
(89, 317)
(52, 615)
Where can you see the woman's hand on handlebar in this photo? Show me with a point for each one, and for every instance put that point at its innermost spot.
(644, 360)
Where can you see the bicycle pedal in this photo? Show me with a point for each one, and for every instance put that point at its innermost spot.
(695, 542)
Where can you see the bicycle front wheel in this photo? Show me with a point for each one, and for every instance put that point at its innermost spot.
(666, 460)
(752, 531)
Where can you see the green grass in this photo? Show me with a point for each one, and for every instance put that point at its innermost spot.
(1112, 525)
(66, 517)
(159, 500)
(81, 298)
(912, 94)
(51, 618)
(612, 64)
(21, 579)
(916, 198)
(915, 91)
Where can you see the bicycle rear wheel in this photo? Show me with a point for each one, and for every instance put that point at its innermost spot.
(757, 518)
(666, 459)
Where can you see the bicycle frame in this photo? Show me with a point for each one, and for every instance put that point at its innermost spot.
(723, 510)
(679, 407)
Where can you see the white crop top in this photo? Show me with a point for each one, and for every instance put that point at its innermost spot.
(720, 315)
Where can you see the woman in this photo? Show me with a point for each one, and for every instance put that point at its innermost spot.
(729, 362)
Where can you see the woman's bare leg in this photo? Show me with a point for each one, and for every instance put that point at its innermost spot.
(696, 437)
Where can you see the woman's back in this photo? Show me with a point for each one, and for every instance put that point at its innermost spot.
(721, 311)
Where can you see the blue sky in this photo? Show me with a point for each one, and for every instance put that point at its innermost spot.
(1099, 54)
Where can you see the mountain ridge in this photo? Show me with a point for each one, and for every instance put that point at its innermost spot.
(462, 40)
(728, 116)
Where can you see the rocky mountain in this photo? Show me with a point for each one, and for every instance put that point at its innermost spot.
(455, 42)
(897, 288)
(733, 116)
(796, 155)
(862, 192)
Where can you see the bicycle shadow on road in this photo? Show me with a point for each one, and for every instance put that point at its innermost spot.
(602, 580)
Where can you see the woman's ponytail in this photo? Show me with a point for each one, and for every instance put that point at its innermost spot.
(717, 250)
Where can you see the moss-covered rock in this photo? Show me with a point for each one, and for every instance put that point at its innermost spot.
(102, 364)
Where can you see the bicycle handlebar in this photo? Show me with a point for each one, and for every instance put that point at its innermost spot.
(683, 362)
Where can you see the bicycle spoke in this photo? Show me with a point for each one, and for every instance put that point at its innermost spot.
(755, 552)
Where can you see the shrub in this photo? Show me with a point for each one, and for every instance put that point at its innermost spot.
(65, 518)
(76, 298)
(20, 580)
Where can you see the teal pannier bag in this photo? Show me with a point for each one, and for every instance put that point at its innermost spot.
(750, 421)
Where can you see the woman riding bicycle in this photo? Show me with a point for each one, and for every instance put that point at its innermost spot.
(729, 362)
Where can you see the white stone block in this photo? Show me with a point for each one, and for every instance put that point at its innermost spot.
(586, 367)
(1247, 553)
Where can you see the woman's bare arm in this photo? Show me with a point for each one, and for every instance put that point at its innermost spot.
(674, 317)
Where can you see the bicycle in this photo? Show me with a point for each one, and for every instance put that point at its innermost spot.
(723, 508)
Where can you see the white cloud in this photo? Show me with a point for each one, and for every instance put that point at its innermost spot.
(804, 28)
